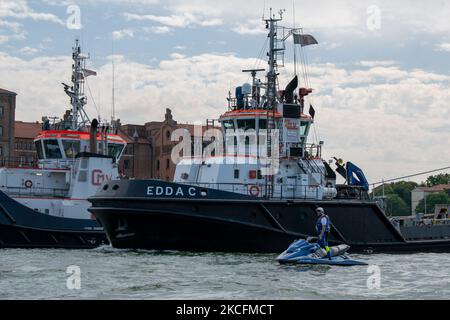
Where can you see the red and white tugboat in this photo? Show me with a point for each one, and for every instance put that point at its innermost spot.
(46, 205)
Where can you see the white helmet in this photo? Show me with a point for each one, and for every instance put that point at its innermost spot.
(320, 210)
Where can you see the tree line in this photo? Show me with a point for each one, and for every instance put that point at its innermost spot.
(398, 195)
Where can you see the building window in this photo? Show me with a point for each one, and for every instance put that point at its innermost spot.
(157, 165)
(1, 151)
(167, 164)
(2, 110)
(1, 131)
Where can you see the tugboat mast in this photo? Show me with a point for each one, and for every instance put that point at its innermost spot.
(78, 99)
(271, 90)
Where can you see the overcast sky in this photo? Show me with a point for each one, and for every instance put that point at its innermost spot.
(380, 72)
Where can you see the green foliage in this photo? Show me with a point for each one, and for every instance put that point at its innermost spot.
(432, 200)
(442, 178)
(398, 197)
(396, 206)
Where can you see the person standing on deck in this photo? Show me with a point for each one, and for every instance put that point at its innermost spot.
(323, 226)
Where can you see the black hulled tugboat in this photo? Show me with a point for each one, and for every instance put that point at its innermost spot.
(44, 204)
(260, 193)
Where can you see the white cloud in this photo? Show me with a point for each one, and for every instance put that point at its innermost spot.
(19, 9)
(443, 47)
(96, 2)
(252, 27)
(339, 16)
(177, 56)
(13, 26)
(11, 31)
(382, 63)
(124, 33)
(15, 36)
(28, 51)
(158, 29)
(332, 45)
(388, 120)
(176, 20)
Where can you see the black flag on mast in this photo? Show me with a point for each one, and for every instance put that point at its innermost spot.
(312, 112)
(304, 39)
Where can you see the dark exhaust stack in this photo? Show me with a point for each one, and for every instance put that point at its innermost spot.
(93, 136)
(289, 92)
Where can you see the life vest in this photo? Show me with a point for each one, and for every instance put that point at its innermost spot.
(319, 224)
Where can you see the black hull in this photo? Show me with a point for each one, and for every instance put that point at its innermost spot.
(160, 231)
(226, 222)
(21, 227)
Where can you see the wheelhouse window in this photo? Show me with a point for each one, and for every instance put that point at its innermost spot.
(228, 124)
(71, 148)
(115, 150)
(38, 145)
(246, 124)
(303, 128)
(52, 150)
(262, 124)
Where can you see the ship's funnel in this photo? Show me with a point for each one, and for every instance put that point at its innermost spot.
(93, 136)
(289, 92)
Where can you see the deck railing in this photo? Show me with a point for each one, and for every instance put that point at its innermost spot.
(17, 162)
(277, 192)
(35, 192)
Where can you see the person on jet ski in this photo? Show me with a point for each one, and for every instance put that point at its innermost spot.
(323, 229)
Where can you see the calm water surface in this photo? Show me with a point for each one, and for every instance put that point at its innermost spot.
(108, 273)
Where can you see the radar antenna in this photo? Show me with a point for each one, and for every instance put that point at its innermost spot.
(78, 99)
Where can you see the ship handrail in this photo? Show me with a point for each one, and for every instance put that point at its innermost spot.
(267, 191)
(412, 221)
(35, 164)
(33, 191)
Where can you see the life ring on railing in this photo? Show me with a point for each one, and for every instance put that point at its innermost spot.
(28, 184)
(254, 191)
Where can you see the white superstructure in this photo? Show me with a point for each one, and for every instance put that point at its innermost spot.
(276, 121)
(72, 161)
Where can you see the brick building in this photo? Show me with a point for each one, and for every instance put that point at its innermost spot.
(24, 148)
(7, 117)
(147, 155)
(149, 149)
(136, 161)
